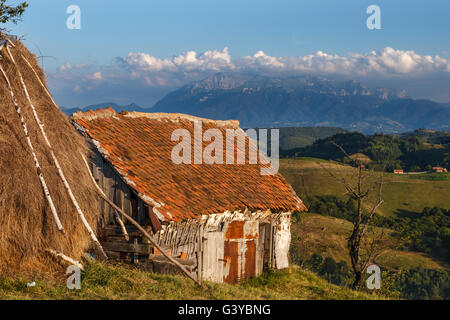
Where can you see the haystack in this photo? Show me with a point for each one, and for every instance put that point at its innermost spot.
(42, 174)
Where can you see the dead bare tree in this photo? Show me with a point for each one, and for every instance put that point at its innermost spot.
(362, 249)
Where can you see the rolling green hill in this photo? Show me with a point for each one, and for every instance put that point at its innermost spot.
(327, 236)
(402, 193)
(415, 247)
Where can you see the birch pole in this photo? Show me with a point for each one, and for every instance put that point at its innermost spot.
(57, 254)
(36, 161)
(57, 165)
(122, 226)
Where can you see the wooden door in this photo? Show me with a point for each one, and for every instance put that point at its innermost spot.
(213, 250)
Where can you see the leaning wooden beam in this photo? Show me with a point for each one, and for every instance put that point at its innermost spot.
(57, 165)
(122, 226)
(36, 161)
(65, 258)
(138, 226)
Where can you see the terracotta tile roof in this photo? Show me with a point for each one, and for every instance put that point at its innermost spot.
(139, 147)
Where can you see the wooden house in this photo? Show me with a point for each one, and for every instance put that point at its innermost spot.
(225, 222)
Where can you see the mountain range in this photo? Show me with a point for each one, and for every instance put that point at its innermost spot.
(261, 101)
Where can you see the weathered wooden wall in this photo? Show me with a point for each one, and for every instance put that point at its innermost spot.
(282, 241)
(229, 246)
(111, 234)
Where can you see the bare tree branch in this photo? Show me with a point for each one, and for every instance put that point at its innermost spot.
(361, 250)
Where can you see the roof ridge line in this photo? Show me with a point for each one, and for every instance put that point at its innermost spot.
(110, 112)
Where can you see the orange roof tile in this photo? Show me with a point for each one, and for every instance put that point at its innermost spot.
(139, 147)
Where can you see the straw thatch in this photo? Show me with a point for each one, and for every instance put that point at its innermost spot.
(27, 226)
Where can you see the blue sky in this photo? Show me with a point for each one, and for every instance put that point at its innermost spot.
(112, 30)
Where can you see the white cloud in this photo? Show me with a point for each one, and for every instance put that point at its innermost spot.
(96, 76)
(212, 60)
(386, 62)
(64, 67)
(77, 89)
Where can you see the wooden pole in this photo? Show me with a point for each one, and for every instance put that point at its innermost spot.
(122, 226)
(57, 165)
(138, 226)
(65, 258)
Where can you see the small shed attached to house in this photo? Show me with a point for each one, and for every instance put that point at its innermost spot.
(226, 222)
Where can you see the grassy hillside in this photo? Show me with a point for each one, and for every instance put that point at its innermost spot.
(319, 242)
(403, 194)
(104, 281)
(327, 236)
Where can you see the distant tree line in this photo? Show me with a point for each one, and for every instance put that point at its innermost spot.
(416, 283)
(423, 284)
(412, 152)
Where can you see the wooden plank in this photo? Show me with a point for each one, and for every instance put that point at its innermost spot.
(213, 257)
(141, 212)
(116, 230)
(134, 207)
(267, 245)
(126, 199)
(127, 247)
(116, 238)
(95, 165)
(200, 254)
(109, 190)
(259, 260)
(272, 242)
(119, 195)
(186, 262)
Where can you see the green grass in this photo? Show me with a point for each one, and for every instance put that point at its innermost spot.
(399, 260)
(402, 193)
(106, 281)
(443, 176)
